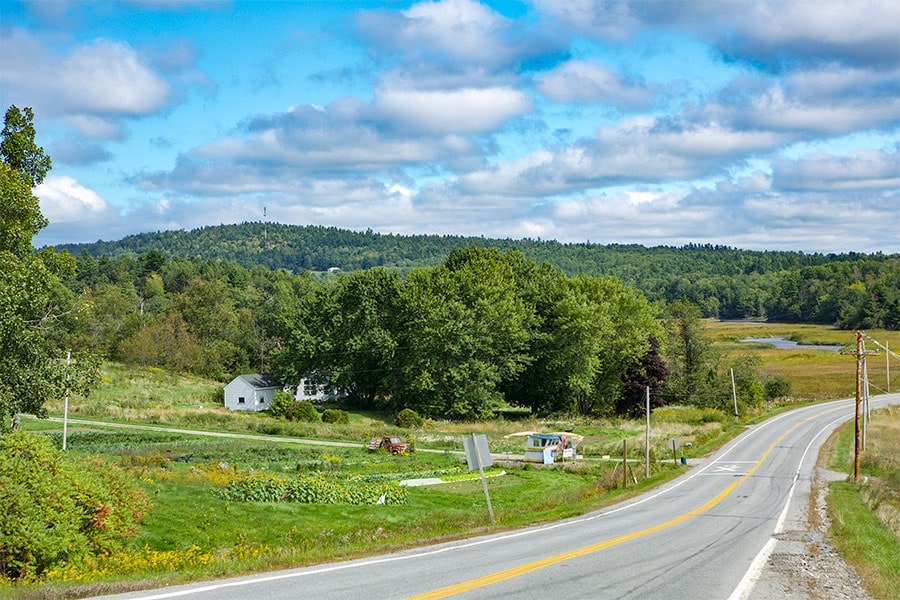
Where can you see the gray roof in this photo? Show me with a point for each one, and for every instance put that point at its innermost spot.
(260, 380)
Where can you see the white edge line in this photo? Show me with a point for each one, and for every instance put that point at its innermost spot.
(752, 576)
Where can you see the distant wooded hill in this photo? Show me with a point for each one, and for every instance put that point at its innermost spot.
(850, 289)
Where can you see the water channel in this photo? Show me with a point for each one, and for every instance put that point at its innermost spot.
(783, 344)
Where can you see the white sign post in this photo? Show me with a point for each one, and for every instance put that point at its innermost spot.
(66, 403)
(478, 456)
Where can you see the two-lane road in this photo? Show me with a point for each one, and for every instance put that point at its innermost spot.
(697, 537)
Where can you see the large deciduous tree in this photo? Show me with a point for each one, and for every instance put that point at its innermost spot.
(464, 333)
(343, 334)
(18, 148)
(34, 304)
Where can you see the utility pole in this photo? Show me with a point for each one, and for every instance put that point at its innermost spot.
(647, 435)
(865, 400)
(860, 355)
(734, 394)
(857, 436)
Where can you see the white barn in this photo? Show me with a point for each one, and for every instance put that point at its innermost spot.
(253, 392)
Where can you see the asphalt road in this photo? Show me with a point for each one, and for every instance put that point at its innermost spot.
(702, 536)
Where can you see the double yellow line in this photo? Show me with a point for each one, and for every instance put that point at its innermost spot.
(499, 576)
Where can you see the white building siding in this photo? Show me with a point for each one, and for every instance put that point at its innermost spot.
(253, 392)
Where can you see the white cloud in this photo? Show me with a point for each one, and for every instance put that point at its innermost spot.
(459, 111)
(98, 77)
(453, 35)
(579, 81)
(64, 200)
(637, 150)
(461, 29)
(852, 30)
(108, 77)
(767, 31)
(861, 170)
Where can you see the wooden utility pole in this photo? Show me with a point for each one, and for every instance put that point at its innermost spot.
(647, 435)
(860, 355)
(858, 432)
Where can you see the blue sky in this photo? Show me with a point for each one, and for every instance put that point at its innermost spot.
(763, 124)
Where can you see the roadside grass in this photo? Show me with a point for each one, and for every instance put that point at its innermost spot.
(865, 516)
(193, 534)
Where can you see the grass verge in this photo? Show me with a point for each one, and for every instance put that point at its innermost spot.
(860, 511)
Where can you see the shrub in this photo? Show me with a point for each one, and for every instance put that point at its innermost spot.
(408, 418)
(333, 415)
(281, 404)
(57, 509)
(303, 411)
(778, 386)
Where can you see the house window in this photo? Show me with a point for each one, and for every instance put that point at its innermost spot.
(240, 399)
(309, 388)
(262, 400)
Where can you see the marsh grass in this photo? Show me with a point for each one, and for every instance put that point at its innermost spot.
(814, 374)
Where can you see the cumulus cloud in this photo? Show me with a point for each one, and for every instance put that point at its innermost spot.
(459, 111)
(101, 77)
(453, 34)
(347, 138)
(583, 82)
(822, 171)
(64, 200)
(638, 150)
(773, 32)
(850, 31)
(828, 100)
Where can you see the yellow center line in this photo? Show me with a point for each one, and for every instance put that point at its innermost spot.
(499, 576)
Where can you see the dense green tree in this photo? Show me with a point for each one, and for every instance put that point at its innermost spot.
(18, 148)
(464, 332)
(35, 305)
(165, 341)
(20, 213)
(631, 324)
(690, 357)
(562, 344)
(344, 333)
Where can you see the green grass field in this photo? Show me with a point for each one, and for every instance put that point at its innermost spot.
(192, 533)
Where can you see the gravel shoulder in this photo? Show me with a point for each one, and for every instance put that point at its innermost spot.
(803, 565)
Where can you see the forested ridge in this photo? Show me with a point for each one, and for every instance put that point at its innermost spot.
(849, 289)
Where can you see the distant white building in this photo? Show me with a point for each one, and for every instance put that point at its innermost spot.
(309, 390)
(255, 391)
(252, 392)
